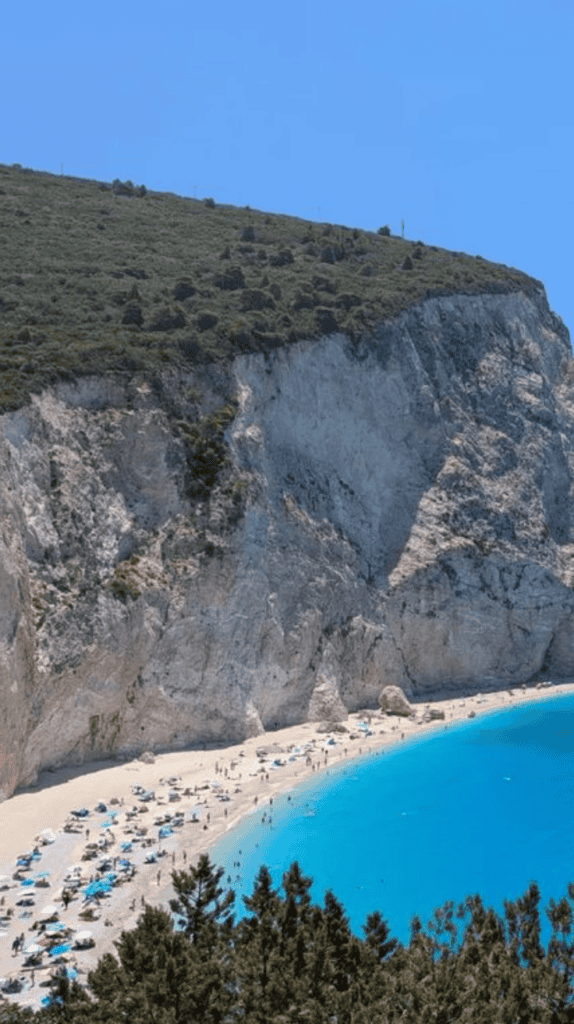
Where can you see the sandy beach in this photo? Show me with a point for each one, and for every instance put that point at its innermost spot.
(216, 787)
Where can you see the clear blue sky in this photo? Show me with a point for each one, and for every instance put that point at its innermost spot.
(454, 116)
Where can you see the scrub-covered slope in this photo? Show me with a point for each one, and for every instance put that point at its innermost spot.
(109, 277)
(217, 540)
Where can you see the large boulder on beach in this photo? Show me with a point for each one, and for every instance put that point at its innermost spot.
(393, 701)
(147, 757)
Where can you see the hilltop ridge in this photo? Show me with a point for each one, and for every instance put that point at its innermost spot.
(111, 278)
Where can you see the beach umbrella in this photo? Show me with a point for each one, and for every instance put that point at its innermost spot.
(54, 927)
(48, 1000)
(47, 836)
(49, 911)
(33, 948)
(83, 937)
(58, 950)
(101, 807)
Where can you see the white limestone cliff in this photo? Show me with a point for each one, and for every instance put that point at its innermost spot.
(405, 520)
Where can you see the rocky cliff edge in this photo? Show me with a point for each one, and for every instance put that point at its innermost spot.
(389, 510)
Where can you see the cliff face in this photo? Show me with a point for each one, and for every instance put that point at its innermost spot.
(393, 510)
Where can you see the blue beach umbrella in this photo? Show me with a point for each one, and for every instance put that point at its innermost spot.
(59, 950)
(165, 831)
(101, 885)
(49, 1000)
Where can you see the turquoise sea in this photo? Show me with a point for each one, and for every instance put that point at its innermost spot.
(485, 806)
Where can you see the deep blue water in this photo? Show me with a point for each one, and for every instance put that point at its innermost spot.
(485, 806)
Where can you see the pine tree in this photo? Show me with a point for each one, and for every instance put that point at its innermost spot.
(295, 933)
(200, 901)
(377, 938)
(261, 986)
(560, 957)
(162, 978)
(376, 949)
(344, 958)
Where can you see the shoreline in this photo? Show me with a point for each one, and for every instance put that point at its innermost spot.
(241, 779)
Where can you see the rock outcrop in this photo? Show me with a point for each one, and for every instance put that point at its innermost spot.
(395, 510)
(393, 701)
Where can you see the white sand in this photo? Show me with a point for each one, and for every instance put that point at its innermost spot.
(47, 805)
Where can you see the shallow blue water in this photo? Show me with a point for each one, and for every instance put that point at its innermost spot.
(485, 806)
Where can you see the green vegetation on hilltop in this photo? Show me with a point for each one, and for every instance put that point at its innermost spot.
(289, 961)
(110, 278)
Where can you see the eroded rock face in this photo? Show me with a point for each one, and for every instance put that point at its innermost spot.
(393, 701)
(396, 511)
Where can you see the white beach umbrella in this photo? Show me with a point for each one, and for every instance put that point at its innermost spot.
(47, 836)
(49, 911)
(33, 948)
(83, 937)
